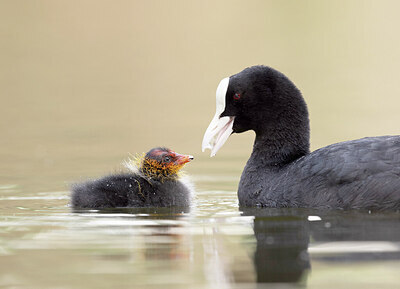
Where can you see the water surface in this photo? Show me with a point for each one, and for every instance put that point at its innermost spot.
(214, 244)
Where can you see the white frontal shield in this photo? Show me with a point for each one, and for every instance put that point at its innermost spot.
(220, 128)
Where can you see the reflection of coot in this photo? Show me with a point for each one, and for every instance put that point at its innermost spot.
(160, 230)
(155, 183)
(373, 230)
(152, 213)
(282, 239)
(281, 171)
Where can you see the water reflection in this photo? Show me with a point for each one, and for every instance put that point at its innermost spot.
(282, 241)
(164, 240)
(211, 245)
(287, 239)
(154, 213)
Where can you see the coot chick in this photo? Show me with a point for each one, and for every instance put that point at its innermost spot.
(281, 171)
(152, 182)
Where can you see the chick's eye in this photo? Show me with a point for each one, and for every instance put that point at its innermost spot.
(167, 159)
(237, 96)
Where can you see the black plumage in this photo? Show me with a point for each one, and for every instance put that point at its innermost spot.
(154, 184)
(281, 171)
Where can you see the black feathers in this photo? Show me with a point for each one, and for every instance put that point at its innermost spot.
(129, 190)
(154, 184)
(362, 174)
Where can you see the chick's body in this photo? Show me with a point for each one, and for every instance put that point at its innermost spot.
(155, 183)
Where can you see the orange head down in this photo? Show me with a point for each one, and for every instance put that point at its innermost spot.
(163, 164)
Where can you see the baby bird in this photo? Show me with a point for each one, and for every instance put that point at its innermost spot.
(152, 182)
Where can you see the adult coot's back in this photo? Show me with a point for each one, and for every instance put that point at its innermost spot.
(281, 171)
(152, 182)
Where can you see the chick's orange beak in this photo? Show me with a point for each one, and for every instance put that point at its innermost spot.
(183, 159)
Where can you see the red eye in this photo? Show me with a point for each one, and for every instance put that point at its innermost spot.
(237, 96)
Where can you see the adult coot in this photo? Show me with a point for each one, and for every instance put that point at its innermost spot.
(281, 171)
(153, 182)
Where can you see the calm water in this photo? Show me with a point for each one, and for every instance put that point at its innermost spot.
(83, 85)
(212, 245)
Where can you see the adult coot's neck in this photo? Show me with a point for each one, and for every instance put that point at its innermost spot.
(279, 143)
(273, 151)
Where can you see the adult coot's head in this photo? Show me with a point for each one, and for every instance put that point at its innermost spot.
(262, 99)
(162, 164)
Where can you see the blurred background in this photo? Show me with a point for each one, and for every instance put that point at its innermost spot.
(85, 83)
(82, 84)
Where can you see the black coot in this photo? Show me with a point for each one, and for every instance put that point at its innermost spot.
(281, 172)
(153, 182)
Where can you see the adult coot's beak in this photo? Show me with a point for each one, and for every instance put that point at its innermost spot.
(183, 159)
(220, 128)
(217, 133)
